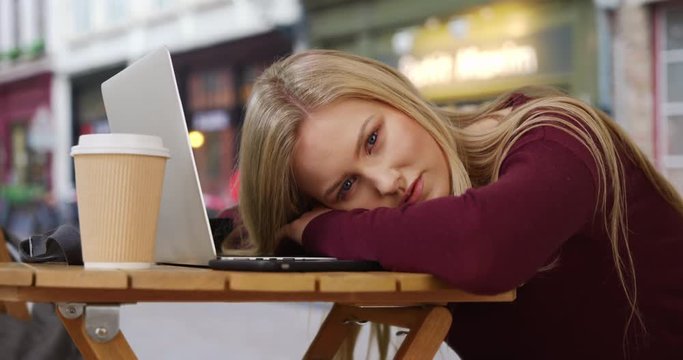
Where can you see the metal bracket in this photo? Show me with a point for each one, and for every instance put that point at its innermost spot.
(102, 322)
(71, 310)
(354, 321)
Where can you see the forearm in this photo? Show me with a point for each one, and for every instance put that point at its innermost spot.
(490, 238)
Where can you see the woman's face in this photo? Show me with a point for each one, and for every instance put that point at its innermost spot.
(364, 154)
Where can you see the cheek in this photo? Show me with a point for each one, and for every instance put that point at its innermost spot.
(406, 144)
(432, 156)
(444, 173)
(421, 147)
(365, 197)
(413, 135)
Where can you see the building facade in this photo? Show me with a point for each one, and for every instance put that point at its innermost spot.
(216, 45)
(26, 124)
(54, 55)
(648, 78)
(667, 31)
(466, 52)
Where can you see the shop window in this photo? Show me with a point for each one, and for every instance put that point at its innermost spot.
(212, 101)
(117, 11)
(88, 107)
(20, 154)
(28, 167)
(675, 82)
(211, 89)
(669, 103)
(81, 12)
(92, 118)
(675, 135)
(676, 177)
(674, 29)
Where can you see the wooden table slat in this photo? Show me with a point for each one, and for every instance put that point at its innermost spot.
(419, 282)
(42, 282)
(177, 278)
(16, 274)
(271, 282)
(356, 282)
(462, 296)
(60, 276)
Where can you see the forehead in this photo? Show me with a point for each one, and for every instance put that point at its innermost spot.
(340, 121)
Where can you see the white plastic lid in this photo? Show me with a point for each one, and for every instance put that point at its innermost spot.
(135, 144)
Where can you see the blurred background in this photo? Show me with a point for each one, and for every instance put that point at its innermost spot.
(623, 56)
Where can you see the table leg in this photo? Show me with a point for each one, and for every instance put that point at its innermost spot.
(427, 326)
(16, 309)
(117, 348)
(427, 334)
(334, 330)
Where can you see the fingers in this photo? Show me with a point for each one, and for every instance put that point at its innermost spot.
(295, 229)
(287, 232)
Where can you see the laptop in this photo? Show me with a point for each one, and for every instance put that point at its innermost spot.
(144, 99)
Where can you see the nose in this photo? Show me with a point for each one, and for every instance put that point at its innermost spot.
(387, 181)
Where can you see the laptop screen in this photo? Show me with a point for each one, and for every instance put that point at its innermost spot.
(144, 99)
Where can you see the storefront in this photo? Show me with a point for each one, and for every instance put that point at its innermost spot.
(668, 64)
(26, 155)
(25, 120)
(463, 54)
(478, 54)
(214, 84)
(87, 104)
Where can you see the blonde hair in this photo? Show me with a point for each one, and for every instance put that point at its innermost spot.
(282, 97)
(290, 89)
(606, 143)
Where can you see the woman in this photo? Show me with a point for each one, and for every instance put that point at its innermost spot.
(535, 191)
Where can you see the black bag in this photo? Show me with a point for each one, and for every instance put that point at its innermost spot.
(60, 245)
(42, 337)
(64, 243)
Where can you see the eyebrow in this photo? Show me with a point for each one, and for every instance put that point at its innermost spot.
(359, 143)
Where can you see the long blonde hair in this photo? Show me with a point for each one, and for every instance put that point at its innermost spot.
(606, 143)
(290, 89)
(282, 97)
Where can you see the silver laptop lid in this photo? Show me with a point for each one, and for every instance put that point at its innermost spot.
(143, 99)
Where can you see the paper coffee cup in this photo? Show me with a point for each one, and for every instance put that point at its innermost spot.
(119, 180)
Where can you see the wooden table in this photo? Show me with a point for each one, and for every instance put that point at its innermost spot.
(88, 301)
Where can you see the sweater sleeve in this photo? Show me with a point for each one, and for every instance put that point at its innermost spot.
(488, 240)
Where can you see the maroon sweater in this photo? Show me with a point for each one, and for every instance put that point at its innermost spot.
(495, 238)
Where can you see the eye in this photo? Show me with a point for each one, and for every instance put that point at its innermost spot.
(346, 186)
(372, 140)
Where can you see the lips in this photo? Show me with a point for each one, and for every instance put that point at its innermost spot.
(414, 192)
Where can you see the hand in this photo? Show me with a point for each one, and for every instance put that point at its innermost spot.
(295, 229)
(237, 237)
